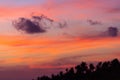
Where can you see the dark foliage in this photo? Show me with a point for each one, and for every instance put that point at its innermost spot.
(102, 71)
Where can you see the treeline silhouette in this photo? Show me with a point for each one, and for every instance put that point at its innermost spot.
(109, 70)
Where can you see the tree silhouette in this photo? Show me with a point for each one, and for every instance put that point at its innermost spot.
(109, 70)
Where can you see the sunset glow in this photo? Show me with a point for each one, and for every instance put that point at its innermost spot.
(56, 34)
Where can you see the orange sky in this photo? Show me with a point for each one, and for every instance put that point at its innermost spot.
(29, 50)
(79, 31)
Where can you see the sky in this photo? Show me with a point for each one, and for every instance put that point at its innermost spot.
(39, 37)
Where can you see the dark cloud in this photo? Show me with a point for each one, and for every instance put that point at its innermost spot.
(109, 32)
(37, 24)
(91, 22)
(28, 26)
(113, 31)
(96, 34)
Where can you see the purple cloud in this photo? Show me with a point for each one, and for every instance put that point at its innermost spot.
(37, 24)
(112, 31)
(28, 26)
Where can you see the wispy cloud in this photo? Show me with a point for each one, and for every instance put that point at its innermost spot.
(91, 22)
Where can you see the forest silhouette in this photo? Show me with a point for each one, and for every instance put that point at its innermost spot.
(108, 70)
